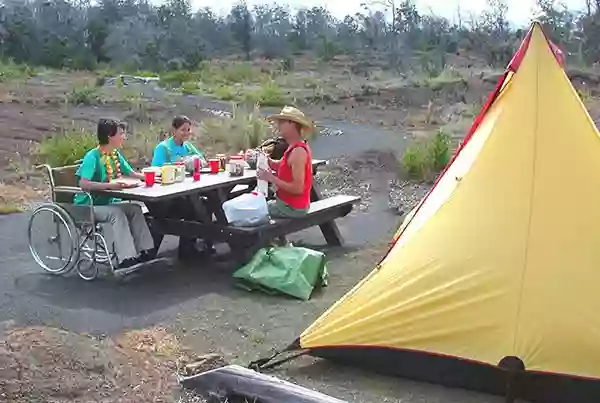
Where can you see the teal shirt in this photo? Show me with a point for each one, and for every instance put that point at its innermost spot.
(168, 152)
(93, 169)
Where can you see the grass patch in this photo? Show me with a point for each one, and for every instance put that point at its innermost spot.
(446, 77)
(66, 147)
(13, 197)
(245, 129)
(424, 159)
(9, 209)
(10, 71)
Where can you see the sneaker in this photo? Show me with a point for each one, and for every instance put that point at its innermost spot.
(147, 255)
(128, 263)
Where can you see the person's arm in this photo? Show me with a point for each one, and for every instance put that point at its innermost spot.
(297, 160)
(127, 170)
(194, 151)
(86, 173)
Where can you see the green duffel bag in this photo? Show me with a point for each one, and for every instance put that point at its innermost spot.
(288, 270)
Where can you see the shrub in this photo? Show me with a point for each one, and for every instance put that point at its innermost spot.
(66, 147)
(10, 70)
(83, 95)
(140, 144)
(189, 88)
(424, 159)
(269, 94)
(243, 130)
(176, 78)
(224, 92)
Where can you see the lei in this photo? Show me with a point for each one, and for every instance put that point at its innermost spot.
(106, 157)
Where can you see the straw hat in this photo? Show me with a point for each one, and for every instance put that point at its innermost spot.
(294, 115)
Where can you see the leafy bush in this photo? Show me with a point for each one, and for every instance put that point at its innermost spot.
(66, 147)
(224, 92)
(189, 88)
(176, 78)
(10, 70)
(83, 95)
(423, 160)
(140, 143)
(243, 130)
(269, 94)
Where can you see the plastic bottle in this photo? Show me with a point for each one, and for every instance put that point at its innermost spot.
(262, 186)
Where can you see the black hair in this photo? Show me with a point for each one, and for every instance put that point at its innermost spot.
(179, 121)
(108, 128)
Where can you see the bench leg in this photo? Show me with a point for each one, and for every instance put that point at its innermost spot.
(243, 251)
(330, 230)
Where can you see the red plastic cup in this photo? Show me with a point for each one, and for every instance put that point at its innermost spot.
(196, 176)
(149, 177)
(214, 166)
(196, 164)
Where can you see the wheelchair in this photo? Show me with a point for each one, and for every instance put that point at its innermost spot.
(71, 226)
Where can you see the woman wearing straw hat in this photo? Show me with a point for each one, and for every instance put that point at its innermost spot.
(293, 172)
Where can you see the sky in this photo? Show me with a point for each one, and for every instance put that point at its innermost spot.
(519, 11)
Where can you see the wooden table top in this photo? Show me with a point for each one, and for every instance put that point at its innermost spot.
(207, 182)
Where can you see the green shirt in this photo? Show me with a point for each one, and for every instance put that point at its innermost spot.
(93, 169)
(168, 152)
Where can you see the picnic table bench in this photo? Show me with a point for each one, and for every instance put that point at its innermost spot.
(210, 223)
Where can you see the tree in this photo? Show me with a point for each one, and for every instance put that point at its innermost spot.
(241, 26)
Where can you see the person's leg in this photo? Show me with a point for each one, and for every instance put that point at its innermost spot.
(142, 237)
(188, 246)
(279, 209)
(124, 243)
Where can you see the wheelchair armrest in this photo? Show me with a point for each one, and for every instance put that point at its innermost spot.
(75, 190)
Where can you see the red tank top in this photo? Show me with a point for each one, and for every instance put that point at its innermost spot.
(284, 172)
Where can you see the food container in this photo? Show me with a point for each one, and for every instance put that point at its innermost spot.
(251, 158)
(222, 161)
(167, 174)
(236, 165)
(179, 172)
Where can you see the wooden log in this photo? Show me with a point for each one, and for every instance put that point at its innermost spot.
(235, 381)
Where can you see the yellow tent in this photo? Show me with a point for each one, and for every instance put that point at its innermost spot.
(497, 271)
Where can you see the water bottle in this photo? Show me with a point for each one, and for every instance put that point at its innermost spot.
(262, 163)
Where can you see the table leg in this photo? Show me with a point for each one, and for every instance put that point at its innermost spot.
(156, 210)
(215, 200)
(330, 230)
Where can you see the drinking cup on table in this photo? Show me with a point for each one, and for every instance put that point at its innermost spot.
(149, 176)
(196, 164)
(214, 165)
(196, 175)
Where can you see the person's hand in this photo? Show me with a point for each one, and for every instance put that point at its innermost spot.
(123, 185)
(265, 175)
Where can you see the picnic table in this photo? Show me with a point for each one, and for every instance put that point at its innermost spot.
(209, 221)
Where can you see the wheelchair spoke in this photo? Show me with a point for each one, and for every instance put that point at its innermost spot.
(53, 238)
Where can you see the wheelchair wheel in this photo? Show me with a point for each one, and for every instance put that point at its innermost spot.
(53, 238)
(94, 251)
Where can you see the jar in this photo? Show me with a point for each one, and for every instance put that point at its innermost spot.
(236, 165)
(222, 161)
